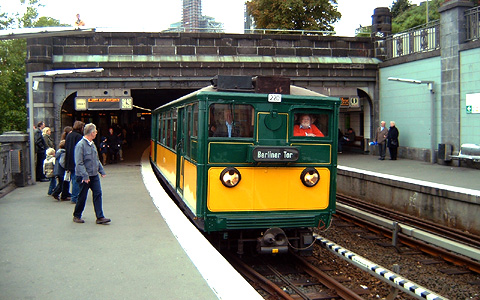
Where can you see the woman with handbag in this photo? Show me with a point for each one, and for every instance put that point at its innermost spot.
(392, 141)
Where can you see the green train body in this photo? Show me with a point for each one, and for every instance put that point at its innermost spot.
(238, 161)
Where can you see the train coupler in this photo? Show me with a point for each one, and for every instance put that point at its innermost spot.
(273, 241)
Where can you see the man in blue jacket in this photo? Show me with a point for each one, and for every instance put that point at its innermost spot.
(87, 168)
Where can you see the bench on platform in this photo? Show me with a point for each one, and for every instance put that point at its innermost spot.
(357, 146)
(468, 152)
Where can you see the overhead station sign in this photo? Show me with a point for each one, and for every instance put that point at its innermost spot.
(103, 103)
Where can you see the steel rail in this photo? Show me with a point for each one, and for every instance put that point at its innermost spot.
(445, 231)
(342, 291)
(458, 260)
(253, 275)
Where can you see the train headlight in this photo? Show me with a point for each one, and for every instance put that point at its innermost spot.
(230, 177)
(310, 177)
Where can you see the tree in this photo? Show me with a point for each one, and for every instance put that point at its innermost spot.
(416, 16)
(294, 14)
(13, 53)
(399, 7)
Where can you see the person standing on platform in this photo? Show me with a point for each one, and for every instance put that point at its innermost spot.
(72, 139)
(47, 136)
(40, 147)
(48, 167)
(59, 172)
(380, 137)
(392, 141)
(87, 168)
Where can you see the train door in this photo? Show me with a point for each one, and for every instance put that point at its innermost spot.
(180, 146)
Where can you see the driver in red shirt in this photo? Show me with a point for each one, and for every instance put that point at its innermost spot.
(306, 128)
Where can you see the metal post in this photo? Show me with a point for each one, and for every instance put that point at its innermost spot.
(30, 129)
(427, 11)
(433, 125)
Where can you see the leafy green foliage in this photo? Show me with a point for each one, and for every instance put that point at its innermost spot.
(13, 114)
(294, 14)
(12, 85)
(416, 16)
(399, 7)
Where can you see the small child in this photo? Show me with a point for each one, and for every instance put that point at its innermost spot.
(48, 166)
(59, 172)
(104, 150)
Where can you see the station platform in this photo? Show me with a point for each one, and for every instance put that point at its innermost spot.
(45, 255)
(467, 178)
(446, 195)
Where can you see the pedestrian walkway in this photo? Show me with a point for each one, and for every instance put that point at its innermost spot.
(44, 255)
(454, 176)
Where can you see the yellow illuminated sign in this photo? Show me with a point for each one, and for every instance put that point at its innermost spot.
(103, 103)
(90, 100)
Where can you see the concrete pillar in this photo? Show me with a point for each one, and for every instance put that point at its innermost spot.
(452, 34)
(19, 157)
(40, 58)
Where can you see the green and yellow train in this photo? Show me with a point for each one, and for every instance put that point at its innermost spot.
(242, 162)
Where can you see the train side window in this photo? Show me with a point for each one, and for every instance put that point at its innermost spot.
(226, 120)
(189, 130)
(168, 130)
(164, 128)
(174, 127)
(159, 137)
(310, 124)
(195, 121)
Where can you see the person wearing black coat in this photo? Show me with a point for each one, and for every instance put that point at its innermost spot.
(392, 141)
(72, 139)
(40, 147)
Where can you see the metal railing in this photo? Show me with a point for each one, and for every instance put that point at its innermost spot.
(290, 31)
(419, 39)
(472, 18)
(5, 165)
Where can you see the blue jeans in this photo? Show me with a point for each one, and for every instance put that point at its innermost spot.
(53, 184)
(75, 187)
(96, 188)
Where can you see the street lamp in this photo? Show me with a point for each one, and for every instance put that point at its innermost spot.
(433, 123)
(30, 77)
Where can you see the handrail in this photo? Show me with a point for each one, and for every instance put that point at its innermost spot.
(472, 22)
(423, 38)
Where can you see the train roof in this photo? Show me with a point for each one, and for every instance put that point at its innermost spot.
(294, 90)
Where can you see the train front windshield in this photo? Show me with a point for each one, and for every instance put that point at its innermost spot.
(310, 124)
(228, 120)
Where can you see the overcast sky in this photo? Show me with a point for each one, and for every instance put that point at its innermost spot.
(147, 15)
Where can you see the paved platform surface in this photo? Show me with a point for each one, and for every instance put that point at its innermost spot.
(44, 255)
(462, 177)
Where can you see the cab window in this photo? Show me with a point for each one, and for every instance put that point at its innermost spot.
(226, 120)
(310, 124)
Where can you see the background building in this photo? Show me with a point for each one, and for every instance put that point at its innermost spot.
(194, 21)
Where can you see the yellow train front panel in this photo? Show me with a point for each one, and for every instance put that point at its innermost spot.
(267, 189)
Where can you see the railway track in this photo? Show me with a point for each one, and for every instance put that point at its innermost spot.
(439, 230)
(445, 231)
(290, 277)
